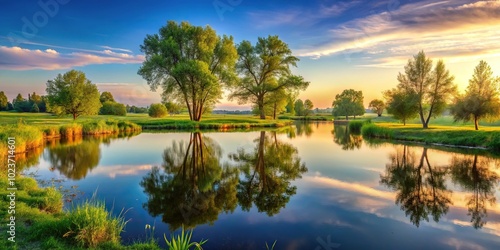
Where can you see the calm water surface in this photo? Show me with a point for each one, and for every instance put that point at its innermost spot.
(313, 186)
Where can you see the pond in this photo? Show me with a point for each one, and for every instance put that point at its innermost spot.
(310, 186)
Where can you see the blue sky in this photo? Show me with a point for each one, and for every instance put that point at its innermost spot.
(341, 44)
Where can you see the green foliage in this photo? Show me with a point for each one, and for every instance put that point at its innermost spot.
(106, 97)
(308, 106)
(299, 107)
(3, 101)
(348, 103)
(481, 99)
(70, 130)
(272, 246)
(377, 106)
(433, 87)
(72, 93)
(172, 107)
(355, 126)
(265, 68)
(157, 110)
(190, 63)
(402, 104)
(34, 108)
(27, 137)
(183, 242)
(90, 224)
(112, 108)
(373, 131)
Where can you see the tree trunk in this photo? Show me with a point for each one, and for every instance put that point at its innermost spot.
(274, 111)
(347, 117)
(379, 115)
(261, 110)
(74, 117)
(476, 123)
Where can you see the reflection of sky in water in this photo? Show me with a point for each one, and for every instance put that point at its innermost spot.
(340, 197)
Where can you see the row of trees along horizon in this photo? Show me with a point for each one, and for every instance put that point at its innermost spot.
(192, 65)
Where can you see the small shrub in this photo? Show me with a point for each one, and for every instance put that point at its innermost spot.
(157, 110)
(183, 241)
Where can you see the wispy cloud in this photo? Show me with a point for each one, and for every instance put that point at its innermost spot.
(131, 93)
(17, 58)
(456, 30)
(116, 49)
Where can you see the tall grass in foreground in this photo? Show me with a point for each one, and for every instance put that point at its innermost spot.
(26, 137)
(355, 126)
(90, 224)
(183, 241)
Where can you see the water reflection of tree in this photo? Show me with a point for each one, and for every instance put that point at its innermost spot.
(74, 158)
(304, 128)
(421, 188)
(344, 138)
(193, 188)
(267, 174)
(473, 175)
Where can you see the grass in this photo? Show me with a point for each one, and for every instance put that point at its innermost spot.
(90, 224)
(183, 241)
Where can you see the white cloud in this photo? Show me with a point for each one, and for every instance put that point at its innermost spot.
(17, 58)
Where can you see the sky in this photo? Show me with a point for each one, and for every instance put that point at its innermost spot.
(341, 44)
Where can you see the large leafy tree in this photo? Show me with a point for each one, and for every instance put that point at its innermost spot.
(190, 63)
(299, 107)
(481, 99)
(265, 68)
(3, 101)
(402, 104)
(308, 106)
(377, 106)
(348, 103)
(433, 87)
(72, 93)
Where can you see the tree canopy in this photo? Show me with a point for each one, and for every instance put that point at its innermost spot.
(402, 104)
(433, 87)
(265, 68)
(348, 103)
(377, 106)
(308, 106)
(190, 63)
(3, 101)
(72, 93)
(106, 97)
(481, 99)
(157, 110)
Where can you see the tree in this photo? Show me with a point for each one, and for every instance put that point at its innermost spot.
(190, 63)
(433, 87)
(299, 107)
(35, 109)
(3, 101)
(402, 104)
(21, 104)
(308, 106)
(481, 99)
(277, 102)
(173, 108)
(113, 108)
(265, 68)
(377, 106)
(348, 103)
(157, 110)
(290, 106)
(72, 93)
(106, 97)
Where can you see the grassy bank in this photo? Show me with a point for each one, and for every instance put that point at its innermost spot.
(41, 223)
(487, 138)
(28, 137)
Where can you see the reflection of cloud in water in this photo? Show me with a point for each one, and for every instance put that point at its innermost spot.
(113, 171)
(461, 244)
(378, 202)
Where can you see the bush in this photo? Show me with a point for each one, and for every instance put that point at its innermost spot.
(113, 108)
(157, 110)
(355, 126)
